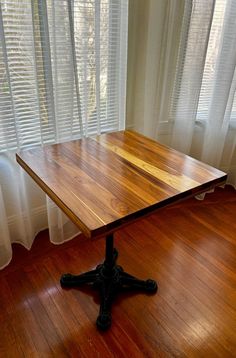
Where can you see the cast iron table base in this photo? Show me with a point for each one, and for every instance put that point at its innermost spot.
(109, 279)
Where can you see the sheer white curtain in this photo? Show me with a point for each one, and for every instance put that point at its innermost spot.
(188, 96)
(62, 76)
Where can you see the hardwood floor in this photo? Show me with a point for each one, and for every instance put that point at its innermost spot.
(189, 248)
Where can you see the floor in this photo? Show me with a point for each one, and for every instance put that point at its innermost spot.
(189, 248)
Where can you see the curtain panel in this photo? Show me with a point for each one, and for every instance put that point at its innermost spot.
(62, 76)
(181, 77)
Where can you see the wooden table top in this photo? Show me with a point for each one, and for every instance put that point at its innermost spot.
(104, 182)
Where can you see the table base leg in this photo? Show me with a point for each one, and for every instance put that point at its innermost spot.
(110, 279)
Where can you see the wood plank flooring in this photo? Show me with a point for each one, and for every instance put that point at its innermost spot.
(189, 248)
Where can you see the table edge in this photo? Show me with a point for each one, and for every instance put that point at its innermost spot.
(131, 218)
(86, 231)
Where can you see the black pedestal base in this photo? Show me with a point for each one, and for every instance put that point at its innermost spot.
(109, 279)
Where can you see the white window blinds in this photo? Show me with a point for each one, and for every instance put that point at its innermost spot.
(218, 83)
(206, 65)
(62, 69)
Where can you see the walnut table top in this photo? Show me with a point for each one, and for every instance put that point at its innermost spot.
(104, 182)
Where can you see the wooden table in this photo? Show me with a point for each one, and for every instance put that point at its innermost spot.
(111, 180)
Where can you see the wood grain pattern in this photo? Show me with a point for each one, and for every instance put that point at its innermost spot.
(107, 181)
(189, 248)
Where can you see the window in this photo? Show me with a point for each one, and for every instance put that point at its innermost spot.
(62, 69)
(204, 90)
(211, 59)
